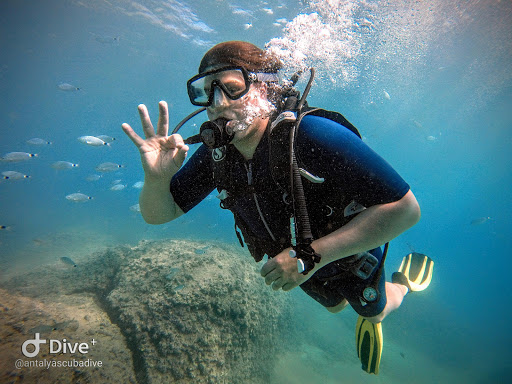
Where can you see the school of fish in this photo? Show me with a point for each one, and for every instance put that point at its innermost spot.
(12, 159)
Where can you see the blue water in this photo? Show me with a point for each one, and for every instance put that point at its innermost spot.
(432, 93)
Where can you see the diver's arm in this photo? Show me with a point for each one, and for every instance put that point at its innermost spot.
(369, 229)
(156, 203)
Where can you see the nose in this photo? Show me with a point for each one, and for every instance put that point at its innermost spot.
(219, 98)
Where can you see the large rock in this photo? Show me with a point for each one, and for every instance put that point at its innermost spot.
(187, 312)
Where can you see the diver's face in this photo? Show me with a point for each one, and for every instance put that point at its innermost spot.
(246, 115)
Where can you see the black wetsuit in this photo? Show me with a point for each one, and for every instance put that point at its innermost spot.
(355, 177)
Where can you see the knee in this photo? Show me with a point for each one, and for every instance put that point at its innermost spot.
(338, 308)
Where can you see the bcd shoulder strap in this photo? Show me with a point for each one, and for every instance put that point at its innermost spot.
(334, 116)
(279, 140)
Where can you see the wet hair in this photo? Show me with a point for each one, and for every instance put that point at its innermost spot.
(240, 53)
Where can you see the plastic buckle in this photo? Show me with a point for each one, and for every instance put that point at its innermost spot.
(286, 116)
(306, 259)
(365, 265)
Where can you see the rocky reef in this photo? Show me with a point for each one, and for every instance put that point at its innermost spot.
(172, 311)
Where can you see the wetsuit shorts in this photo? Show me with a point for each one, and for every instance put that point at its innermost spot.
(333, 283)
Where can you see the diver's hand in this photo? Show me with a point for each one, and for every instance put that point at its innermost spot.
(161, 155)
(281, 272)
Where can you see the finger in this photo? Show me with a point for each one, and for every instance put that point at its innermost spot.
(278, 284)
(137, 140)
(175, 141)
(267, 268)
(147, 127)
(272, 277)
(289, 286)
(163, 119)
(180, 157)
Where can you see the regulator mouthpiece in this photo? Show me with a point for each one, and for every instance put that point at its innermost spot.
(216, 133)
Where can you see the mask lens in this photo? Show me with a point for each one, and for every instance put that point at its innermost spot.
(233, 82)
(197, 92)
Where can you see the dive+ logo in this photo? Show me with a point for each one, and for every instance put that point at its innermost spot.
(35, 342)
(55, 346)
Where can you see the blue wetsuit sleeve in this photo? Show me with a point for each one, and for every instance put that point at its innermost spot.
(347, 163)
(194, 181)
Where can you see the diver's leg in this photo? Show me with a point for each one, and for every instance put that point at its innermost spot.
(395, 295)
(339, 307)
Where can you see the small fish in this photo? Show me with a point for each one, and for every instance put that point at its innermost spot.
(38, 141)
(108, 167)
(17, 156)
(13, 175)
(417, 124)
(248, 25)
(386, 95)
(431, 138)
(78, 197)
(92, 141)
(5, 228)
(480, 220)
(66, 324)
(118, 187)
(38, 242)
(63, 165)
(135, 208)
(106, 139)
(116, 181)
(93, 177)
(54, 327)
(173, 272)
(402, 354)
(201, 251)
(41, 329)
(107, 39)
(68, 261)
(67, 87)
(138, 185)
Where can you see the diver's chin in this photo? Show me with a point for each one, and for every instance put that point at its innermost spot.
(235, 126)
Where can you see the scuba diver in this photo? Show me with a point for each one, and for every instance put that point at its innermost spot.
(303, 187)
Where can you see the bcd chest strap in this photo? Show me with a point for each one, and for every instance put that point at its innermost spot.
(279, 161)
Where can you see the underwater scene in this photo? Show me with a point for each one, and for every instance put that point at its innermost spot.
(91, 293)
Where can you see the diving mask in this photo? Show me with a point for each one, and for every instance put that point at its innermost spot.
(234, 81)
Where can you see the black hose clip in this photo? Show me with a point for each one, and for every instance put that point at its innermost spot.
(306, 258)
